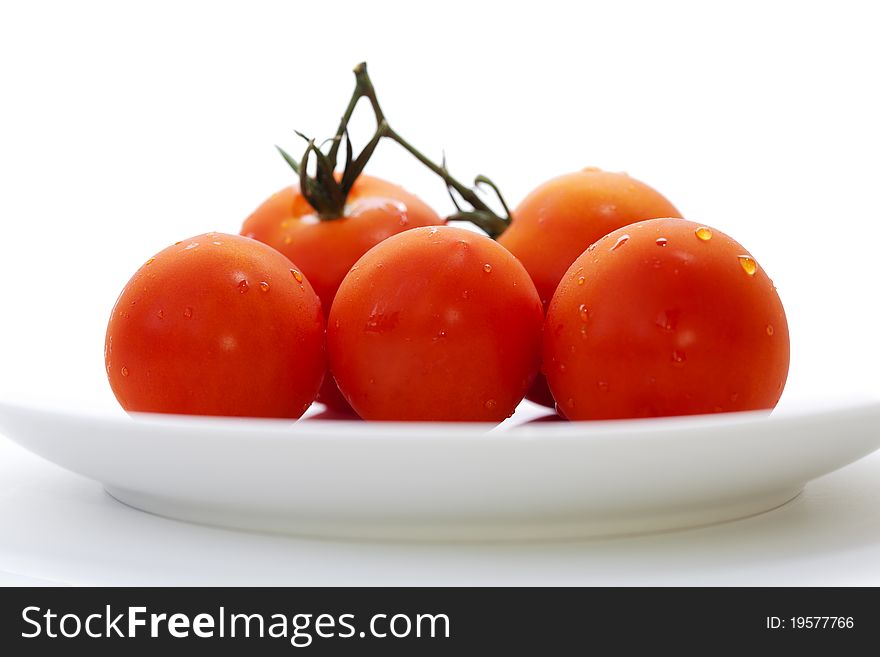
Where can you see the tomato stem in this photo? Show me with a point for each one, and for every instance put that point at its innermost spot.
(328, 195)
(481, 215)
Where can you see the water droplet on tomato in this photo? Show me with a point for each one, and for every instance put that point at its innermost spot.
(191, 245)
(487, 268)
(124, 371)
(178, 242)
(734, 396)
(581, 280)
(661, 241)
(403, 221)
(602, 385)
(569, 402)
(490, 404)
(703, 233)
(465, 294)
(160, 314)
(678, 357)
(243, 286)
(623, 239)
(264, 286)
(298, 277)
(149, 262)
(668, 319)
(584, 312)
(288, 239)
(188, 312)
(770, 330)
(217, 243)
(748, 264)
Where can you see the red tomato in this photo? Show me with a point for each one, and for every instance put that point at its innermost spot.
(217, 325)
(327, 249)
(557, 221)
(665, 317)
(435, 324)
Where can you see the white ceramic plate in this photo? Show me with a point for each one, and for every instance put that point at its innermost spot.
(435, 481)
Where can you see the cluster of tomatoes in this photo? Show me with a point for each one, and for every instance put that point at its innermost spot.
(596, 297)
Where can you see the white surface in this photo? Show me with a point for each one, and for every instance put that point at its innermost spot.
(358, 480)
(63, 528)
(126, 127)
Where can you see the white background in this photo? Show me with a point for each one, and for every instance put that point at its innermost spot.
(125, 127)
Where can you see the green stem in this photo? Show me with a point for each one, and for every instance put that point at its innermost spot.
(482, 215)
(346, 116)
(328, 196)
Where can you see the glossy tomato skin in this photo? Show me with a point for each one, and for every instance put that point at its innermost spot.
(435, 324)
(217, 325)
(559, 219)
(326, 250)
(665, 317)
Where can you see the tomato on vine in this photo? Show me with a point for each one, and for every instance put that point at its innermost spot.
(325, 248)
(641, 316)
(329, 220)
